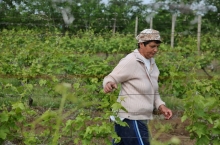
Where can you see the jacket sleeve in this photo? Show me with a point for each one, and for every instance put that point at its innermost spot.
(158, 101)
(122, 72)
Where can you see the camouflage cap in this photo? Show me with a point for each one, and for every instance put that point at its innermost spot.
(148, 34)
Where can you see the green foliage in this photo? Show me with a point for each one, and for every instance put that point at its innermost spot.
(202, 109)
(164, 127)
(13, 119)
(71, 68)
(100, 17)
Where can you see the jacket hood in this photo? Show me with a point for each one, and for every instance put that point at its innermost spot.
(139, 57)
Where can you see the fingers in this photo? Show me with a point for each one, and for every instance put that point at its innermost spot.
(109, 87)
(168, 114)
(115, 86)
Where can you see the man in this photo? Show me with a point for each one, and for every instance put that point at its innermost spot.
(138, 75)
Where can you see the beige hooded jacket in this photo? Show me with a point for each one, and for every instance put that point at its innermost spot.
(139, 87)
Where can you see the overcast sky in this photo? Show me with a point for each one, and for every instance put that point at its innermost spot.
(144, 1)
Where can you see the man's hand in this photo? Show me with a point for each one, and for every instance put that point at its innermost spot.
(165, 111)
(109, 87)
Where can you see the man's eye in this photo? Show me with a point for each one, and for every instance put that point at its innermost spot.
(154, 47)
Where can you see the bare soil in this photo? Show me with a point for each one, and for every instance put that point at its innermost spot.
(175, 128)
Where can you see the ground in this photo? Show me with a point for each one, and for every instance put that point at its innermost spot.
(163, 130)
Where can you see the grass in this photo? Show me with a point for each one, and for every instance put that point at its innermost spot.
(47, 101)
(163, 127)
(41, 99)
(173, 103)
(11, 90)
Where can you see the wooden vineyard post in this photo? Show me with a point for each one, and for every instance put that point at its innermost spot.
(199, 33)
(173, 29)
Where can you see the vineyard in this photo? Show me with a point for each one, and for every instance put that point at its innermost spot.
(51, 87)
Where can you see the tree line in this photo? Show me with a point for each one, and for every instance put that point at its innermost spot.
(116, 15)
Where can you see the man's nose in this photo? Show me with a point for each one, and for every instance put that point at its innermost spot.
(156, 49)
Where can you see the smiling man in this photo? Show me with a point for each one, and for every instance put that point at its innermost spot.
(138, 75)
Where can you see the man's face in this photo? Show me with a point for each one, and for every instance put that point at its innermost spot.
(149, 50)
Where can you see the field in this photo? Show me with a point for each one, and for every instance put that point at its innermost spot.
(51, 89)
(165, 131)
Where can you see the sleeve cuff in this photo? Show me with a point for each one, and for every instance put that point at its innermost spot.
(161, 103)
(107, 79)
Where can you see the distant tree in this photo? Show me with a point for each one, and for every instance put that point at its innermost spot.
(187, 14)
(8, 12)
(124, 13)
(28, 14)
(64, 15)
(118, 15)
(88, 15)
(212, 19)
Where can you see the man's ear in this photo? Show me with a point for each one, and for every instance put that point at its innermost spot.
(141, 44)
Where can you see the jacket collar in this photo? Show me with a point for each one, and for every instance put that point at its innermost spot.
(139, 57)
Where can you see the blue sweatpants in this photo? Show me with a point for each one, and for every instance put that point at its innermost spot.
(136, 133)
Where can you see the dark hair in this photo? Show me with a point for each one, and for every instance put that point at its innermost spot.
(147, 42)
